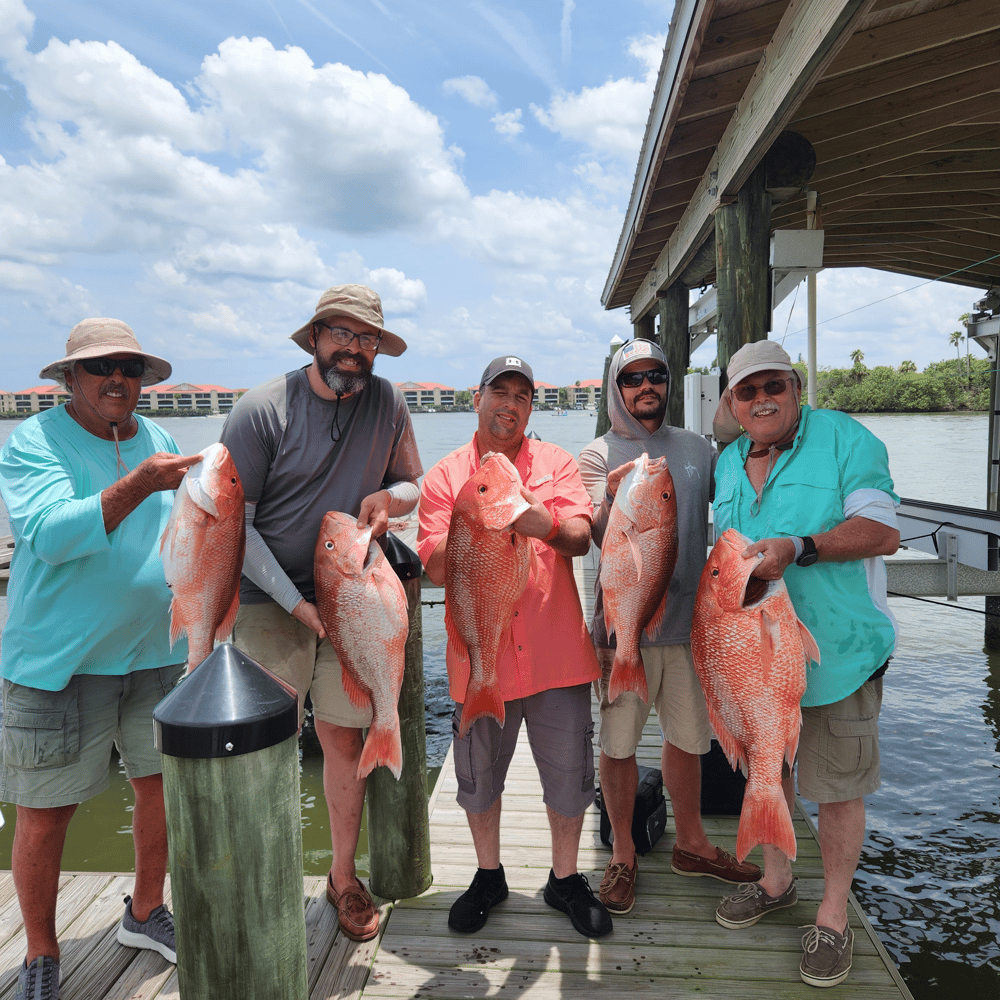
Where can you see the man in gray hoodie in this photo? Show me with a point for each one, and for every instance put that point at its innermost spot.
(638, 390)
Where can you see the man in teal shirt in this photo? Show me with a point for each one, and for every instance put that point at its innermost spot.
(812, 490)
(86, 652)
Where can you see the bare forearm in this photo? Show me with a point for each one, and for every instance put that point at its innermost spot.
(162, 471)
(572, 538)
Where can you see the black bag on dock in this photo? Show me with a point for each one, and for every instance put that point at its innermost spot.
(721, 786)
(649, 818)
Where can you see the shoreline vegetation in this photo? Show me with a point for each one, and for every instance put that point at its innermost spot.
(949, 386)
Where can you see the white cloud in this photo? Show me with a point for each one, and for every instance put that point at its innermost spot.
(609, 119)
(399, 294)
(566, 31)
(473, 89)
(508, 123)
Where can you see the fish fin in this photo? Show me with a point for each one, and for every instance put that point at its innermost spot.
(454, 636)
(765, 820)
(226, 625)
(770, 642)
(657, 620)
(731, 747)
(627, 674)
(200, 496)
(358, 696)
(809, 646)
(177, 624)
(636, 552)
(792, 744)
(382, 746)
(480, 700)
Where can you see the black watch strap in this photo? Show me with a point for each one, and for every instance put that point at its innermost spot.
(809, 553)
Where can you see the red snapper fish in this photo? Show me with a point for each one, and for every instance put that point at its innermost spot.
(363, 608)
(202, 552)
(638, 556)
(750, 652)
(487, 565)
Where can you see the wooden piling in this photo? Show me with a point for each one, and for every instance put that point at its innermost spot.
(675, 342)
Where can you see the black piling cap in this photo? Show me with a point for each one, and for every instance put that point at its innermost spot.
(402, 558)
(227, 706)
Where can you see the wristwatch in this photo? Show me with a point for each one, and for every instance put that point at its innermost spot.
(809, 553)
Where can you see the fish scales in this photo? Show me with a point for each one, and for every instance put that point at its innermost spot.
(202, 552)
(487, 567)
(750, 653)
(638, 556)
(363, 608)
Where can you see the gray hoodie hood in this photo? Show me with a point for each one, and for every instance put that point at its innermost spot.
(622, 422)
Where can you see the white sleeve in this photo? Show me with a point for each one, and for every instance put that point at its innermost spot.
(404, 497)
(262, 568)
(876, 505)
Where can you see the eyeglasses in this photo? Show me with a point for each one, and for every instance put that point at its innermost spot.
(632, 380)
(341, 335)
(773, 387)
(130, 367)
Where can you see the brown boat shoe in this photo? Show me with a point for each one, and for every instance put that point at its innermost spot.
(617, 888)
(723, 866)
(356, 911)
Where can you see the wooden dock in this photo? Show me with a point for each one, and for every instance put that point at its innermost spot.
(668, 946)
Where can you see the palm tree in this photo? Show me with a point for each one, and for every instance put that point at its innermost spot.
(955, 339)
(857, 356)
(906, 368)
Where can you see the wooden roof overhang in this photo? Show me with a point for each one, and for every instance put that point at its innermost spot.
(899, 98)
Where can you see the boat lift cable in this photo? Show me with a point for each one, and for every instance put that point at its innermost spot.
(940, 604)
(903, 291)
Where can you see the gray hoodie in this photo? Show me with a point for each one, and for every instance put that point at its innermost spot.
(692, 465)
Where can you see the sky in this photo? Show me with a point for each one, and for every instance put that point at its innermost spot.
(204, 171)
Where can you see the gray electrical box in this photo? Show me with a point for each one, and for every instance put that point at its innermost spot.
(701, 400)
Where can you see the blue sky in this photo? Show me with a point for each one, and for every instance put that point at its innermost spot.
(204, 171)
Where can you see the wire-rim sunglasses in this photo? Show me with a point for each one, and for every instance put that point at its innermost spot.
(772, 387)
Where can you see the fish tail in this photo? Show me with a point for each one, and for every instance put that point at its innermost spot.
(765, 820)
(627, 674)
(382, 746)
(480, 700)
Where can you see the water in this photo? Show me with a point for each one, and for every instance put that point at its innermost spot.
(929, 876)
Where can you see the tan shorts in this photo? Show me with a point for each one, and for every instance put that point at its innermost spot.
(673, 690)
(56, 745)
(271, 636)
(838, 757)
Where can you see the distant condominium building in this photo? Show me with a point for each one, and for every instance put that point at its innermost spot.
(426, 395)
(184, 396)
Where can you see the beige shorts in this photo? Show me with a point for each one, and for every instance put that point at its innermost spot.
(271, 636)
(838, 757)
(673, 690)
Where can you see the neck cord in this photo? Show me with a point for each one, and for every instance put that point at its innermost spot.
(336, 422)
(120, 464)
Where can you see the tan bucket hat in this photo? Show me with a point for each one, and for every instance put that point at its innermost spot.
(359, 302)
(99, 337)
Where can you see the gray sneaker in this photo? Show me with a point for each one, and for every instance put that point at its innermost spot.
(38, 981)
(826, 956)
(751, 903)
(155, 933)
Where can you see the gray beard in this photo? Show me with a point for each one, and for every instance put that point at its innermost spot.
(345, 385)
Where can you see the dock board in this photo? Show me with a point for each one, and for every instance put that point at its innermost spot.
(668, 946)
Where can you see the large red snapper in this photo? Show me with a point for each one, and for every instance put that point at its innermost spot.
(750, 652)
(363, 608)
(202, 552)
(638, 556)
(487, 565)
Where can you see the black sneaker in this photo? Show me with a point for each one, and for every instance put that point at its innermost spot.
(574, 896)
(469, 912)
(38, 981)
(156, 932)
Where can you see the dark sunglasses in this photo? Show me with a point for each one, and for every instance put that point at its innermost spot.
(774, 387)
(632, 380)
(130, 367)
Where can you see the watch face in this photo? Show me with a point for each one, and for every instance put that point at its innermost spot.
(809, 554)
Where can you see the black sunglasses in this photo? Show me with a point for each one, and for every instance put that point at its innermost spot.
(130, 367)
(632, 380)
(773, 387)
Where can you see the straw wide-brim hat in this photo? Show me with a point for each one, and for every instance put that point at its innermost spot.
(359, 302)
(97, 338)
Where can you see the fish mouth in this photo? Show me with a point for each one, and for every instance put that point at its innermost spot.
(754, 591)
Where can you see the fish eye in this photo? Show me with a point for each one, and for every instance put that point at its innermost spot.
(715, 571)
(666, 494)
(482, 489)
(328, 546)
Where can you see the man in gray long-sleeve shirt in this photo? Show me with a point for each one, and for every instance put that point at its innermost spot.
(638, 389)
(330, 436)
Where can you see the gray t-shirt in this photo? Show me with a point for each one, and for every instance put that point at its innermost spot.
(280, 435)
